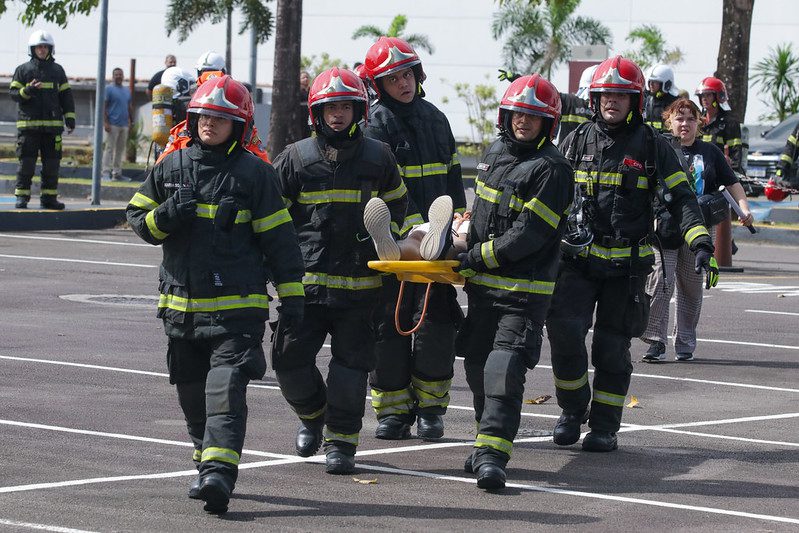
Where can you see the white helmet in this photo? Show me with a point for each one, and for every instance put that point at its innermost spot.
(180, 80)
(665, 75)
(41, 37)
(210, 60)
(585, 81)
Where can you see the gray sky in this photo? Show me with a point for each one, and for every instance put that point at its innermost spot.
(459, 30)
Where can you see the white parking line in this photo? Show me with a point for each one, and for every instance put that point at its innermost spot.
(67, 239)
(770, 312)
(62, 260)
(42, 527)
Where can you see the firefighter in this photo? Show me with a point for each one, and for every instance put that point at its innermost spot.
(719, 127)
(327, 181)
(209, 65)
(660, 94)
(218, 214)
(413, 374)
(574, 107)
(523, 188)
(786, 167)
(620, 164)
(41, 89)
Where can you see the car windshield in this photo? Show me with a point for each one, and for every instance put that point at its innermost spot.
(783, 129)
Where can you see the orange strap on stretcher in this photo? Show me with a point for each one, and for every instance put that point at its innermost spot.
(428, 272)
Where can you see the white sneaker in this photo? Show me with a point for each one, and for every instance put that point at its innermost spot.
(377, 220)
(436, 241)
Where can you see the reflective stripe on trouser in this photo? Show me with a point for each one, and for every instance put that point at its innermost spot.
(680, 274)
(428, 355)
(498, 347)
(341, 399)
(211, 377)
(431, 393)
(30, 145)
(399, 402)
(569, 319)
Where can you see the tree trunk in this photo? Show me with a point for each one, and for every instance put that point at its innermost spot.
(284, 128)
(733, 61)
(229, 41)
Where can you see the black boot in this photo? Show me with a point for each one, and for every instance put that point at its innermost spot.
(309, 436)
(215, 490)
(490, 476)
(194, 488)
(467, 465)
(50, 202)
(600, 441)
(567, 428)
(393, 427)
(339, 460)
(22, 202)
(430, 427)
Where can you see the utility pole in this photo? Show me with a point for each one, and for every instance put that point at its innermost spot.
(99, 104)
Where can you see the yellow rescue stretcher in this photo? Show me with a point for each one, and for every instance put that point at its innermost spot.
(428, 272)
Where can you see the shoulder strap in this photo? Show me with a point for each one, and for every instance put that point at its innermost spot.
(308, 152)
(577, 146)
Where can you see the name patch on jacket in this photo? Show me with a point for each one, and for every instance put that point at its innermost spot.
(483, 166)
(632, 163)
(587, 158)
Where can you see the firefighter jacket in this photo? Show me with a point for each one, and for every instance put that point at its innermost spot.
(179, 138)
(574, 111)
(421, 140)
(214, 269)
(48, 107)
(522, 193)
(619, 171)
(654, 106)
(786, 166)
(326, 190)
(725, 132)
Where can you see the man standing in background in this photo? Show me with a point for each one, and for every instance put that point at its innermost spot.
(170, 61)
(118, 113)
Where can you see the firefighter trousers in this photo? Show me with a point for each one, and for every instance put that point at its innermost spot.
(211, 377)
(414, 373)
(31, 143)
(622, 309)
(342, 399)
(498, 346)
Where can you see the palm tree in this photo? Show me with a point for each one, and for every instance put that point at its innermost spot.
(396, 29)
(777, 75)
(540, 35)
(652, 47)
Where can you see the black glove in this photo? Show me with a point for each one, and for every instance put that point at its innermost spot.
(70, 122)
(185, 203)
(31, 89)
(508, 75)
(465, 268)
(292, 311)
(705, 261)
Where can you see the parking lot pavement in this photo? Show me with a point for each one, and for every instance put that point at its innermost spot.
(93, 439)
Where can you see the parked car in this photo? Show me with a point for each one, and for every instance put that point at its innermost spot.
(765, 151)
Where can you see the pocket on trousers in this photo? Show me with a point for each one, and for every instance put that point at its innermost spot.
(636, 313)
(533, 339)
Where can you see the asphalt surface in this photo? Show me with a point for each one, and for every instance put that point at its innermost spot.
(93, 439)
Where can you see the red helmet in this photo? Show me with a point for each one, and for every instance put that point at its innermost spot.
(227, 98)
(532, 95)
(618, 75)
(714, 85)
(774, 192)
(389, 55)
(337, 84)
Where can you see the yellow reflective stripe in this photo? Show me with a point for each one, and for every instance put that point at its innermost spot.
(675, 179)
(315, 414)
(410, 221)
(603, 178)
(46, 85)
(438, 389)
(788, 159)
(579, 119)
(350, 438)
(209, 211)
(348, 196)
(487, 253)
(496, 443)
(224, 455)
(792, 139)
(16, 85)
(460, 210)
(154, 231)
(63, 87)
(513, 284)
(342, 282)
(456, 160)
(618, 253)
(23, 94)
(655, 124)
(37, 123)
(143, 202)
(69, 114)
(22, 192)
(272, 221)
(395, 194)
(293, 288)
(392, 402)
(608, 398)
(733, 142)
(417, 171)
(486, 193)
(542, 210)
(52, 192)
(575, 384)
(211, 305)
(692, 234)
(287, 201)
(197, 455)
